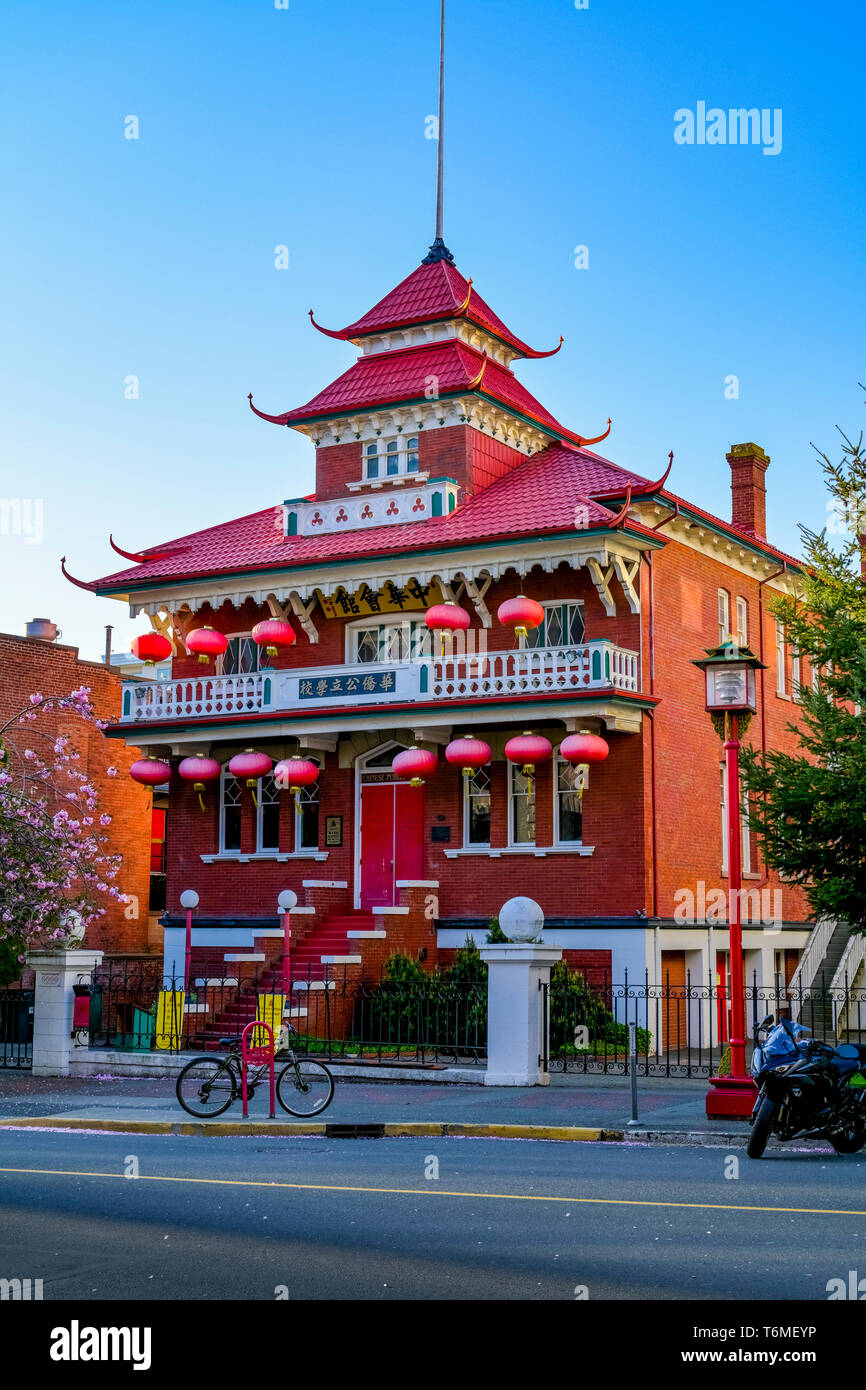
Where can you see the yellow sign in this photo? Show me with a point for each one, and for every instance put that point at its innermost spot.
(391, 598)
(269, 1010)
(169, 1020)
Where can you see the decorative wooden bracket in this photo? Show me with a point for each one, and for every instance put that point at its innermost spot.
(601, 579)
(476, 597)
(627, 575)
(300, 611)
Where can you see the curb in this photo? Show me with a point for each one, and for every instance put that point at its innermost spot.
(406, 1130)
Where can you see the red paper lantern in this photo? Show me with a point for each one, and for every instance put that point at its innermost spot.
(251, 766)
(205, 642)
(468, 753)
(446, 617)
(521, 613)
(528, 749)
(150, 772)
(198, 771)
(295, 773)
(584, 748)
(414, 763)
(151, 647)
(274, 635)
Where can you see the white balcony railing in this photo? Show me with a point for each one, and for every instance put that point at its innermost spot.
(483, 675)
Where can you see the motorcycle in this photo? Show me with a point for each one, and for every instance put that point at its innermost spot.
(807, 1089)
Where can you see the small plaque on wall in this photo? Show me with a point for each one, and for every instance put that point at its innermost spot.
(441, 834)
(333, 830)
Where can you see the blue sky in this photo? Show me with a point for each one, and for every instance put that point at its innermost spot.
(305, 127)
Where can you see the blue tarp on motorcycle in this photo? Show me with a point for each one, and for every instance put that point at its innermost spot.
(780, 1047)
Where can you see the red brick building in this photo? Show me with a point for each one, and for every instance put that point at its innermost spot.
(30, 664)
(439, 476)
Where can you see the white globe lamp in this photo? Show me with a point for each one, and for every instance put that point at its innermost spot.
(521, 920)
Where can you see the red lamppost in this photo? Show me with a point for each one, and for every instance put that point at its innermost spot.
(729, 671)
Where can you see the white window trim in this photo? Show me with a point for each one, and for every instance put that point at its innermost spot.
(724, 621)
(260, 818)
(512, 843)
(796, 674)
(742, 621)
(231, 637)
(472, 845)
(381, 620)
(559, 843)
(745, 828)
(224, 853)
(781, 659)
(565, 603)
(298, 819)
(401, 454)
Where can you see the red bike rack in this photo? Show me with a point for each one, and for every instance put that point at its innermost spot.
(257, 1054)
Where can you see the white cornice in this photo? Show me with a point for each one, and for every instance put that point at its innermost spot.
(469, 409)
(493, 561)
(728, 550)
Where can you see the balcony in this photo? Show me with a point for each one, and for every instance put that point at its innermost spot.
(539, 671)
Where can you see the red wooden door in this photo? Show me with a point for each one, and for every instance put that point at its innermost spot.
(410, 832)
(377, 845)
(392, 840)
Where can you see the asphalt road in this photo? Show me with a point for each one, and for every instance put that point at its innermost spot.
(365, 1219)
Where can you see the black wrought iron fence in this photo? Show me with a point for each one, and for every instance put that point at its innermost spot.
(683, 1028)
(135, 1008)
(16, 1029)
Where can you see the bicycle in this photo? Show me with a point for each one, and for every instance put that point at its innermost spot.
(207, 1086)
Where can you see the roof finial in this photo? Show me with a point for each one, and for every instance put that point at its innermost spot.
(439, 251)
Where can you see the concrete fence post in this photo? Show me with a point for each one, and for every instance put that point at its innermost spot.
(515, 972)
(56, 973)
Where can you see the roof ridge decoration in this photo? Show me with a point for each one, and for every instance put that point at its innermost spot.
(79, 583)
(647, 489)
(586, 443)
(340, 333)
(139, 557)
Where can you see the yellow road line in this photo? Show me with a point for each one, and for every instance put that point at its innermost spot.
(434, 1192)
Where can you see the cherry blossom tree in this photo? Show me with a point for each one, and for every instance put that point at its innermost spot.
(55, 869)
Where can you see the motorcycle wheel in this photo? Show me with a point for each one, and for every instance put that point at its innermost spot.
(848, 1141)
(761, 1126)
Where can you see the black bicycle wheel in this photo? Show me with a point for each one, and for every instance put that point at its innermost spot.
(206, 1087)
(305, 1088)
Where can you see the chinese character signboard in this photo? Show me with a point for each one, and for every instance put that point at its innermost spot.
(392, 598)
(323, 687)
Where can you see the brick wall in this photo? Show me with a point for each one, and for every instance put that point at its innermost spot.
(29, 665)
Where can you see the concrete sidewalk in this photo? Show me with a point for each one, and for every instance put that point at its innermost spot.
(578, 1107)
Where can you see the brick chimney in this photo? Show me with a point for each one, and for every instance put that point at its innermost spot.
(748, 491)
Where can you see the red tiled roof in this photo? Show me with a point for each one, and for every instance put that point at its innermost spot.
(537, 497)
(431, 292)
(405, 375)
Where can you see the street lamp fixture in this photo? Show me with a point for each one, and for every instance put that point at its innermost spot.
(729, 673)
